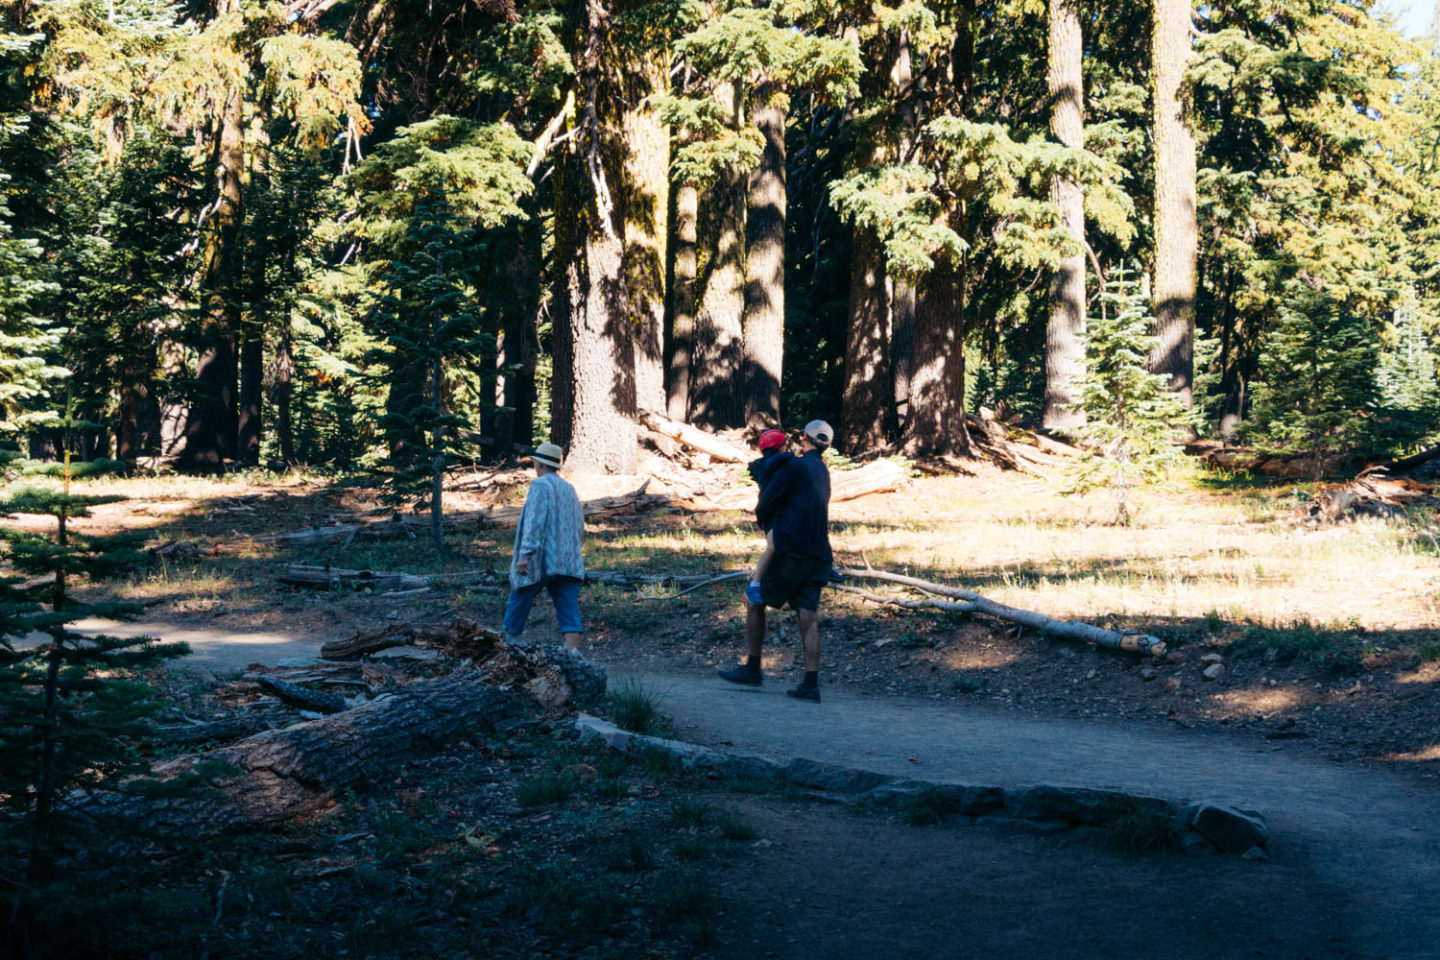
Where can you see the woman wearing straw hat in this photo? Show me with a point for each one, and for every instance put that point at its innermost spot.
(547, 549)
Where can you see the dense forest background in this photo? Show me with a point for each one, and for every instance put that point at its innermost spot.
(340, 232)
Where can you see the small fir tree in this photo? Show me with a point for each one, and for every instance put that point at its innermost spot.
(1409, 389)
(1317, 392)
(71, 705)
(1132, 417)
(426, 321)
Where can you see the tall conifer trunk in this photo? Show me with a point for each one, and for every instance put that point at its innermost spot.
(210, 428)
(717, 366)
(252, 381)
(594, 400)
(1176, 233)
(285, 394)
(765, 265)
(935, 423)
(1064, 346)
(682, 303)
(867, 407)
(646, 212)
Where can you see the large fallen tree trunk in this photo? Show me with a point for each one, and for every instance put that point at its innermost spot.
(491, 516)
(717, 448)
(461, 637)
(1114, 640)
(277, 774)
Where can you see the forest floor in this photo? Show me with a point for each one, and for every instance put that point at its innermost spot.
(528, 844)
(1327, 633)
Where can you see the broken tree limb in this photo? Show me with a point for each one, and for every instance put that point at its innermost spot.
(734, 575)
(717, 448)
(929, 603)
(461, 638)
(1114, 640)
(298, 696)
(1405, 464)
(328, 578)
(230, 729)
(275, 775)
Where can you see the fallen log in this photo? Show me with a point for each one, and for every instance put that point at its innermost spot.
(490, 516)
(1114, 640)
(715, 447)
(273, 776)
(328, 578)
(298, 696)
(233, 728)
(879, 476)
(1406, 464)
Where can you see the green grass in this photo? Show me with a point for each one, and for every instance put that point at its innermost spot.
(926, 810)
(735, 828)
(1141, 826)
(544, 788)
(688, 813)
(1429, 651)
(636, 709)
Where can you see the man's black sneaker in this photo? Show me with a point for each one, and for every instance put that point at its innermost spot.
(742, 675)
(803, 692)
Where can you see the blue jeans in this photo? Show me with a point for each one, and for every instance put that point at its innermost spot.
(565, 591)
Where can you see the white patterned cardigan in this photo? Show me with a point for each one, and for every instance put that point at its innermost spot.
(551, 526)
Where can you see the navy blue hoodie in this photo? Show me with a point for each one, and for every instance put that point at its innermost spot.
(795, 499)
(764, 467)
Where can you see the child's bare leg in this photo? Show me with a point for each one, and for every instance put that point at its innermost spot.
(763, 563)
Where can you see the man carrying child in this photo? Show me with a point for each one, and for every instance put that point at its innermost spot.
(794, 510)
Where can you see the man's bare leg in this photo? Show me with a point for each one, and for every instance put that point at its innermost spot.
(754, 628)
(810, 638)
(572, 641)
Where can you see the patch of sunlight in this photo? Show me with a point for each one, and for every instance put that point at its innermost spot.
(977, 658)
(1425, 673)
(1428, 754)
(1259, 699)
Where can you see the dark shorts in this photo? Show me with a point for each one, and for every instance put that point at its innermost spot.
(794, 580)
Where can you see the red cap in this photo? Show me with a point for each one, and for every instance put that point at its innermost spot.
(772, 440)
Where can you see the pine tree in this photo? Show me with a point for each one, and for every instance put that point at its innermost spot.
(1316, 389)
(427, 322)
(71, 704)
(1131, 414)
(26, 340)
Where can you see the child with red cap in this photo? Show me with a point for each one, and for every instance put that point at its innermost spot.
(772, 455)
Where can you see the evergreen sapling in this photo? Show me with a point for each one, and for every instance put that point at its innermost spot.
(72, 705)
(1132, 417)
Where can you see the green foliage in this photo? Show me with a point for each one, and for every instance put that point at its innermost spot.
(636, 709)
(1132, 418)
(1317, 387)
(72, 705)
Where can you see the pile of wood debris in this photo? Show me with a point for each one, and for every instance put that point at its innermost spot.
(1372, 494)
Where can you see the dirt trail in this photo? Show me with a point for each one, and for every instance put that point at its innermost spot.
(1372, 838)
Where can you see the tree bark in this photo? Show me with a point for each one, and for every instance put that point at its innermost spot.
(867, 406)
(717, 370)
(765, 266)
(210, 427)
(646, 204)
(682, 309)
(282, 773)
(1064, 346)
(595, 348)
(1176, 233)
(252, 381)
(935, 424)
(285, 393)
